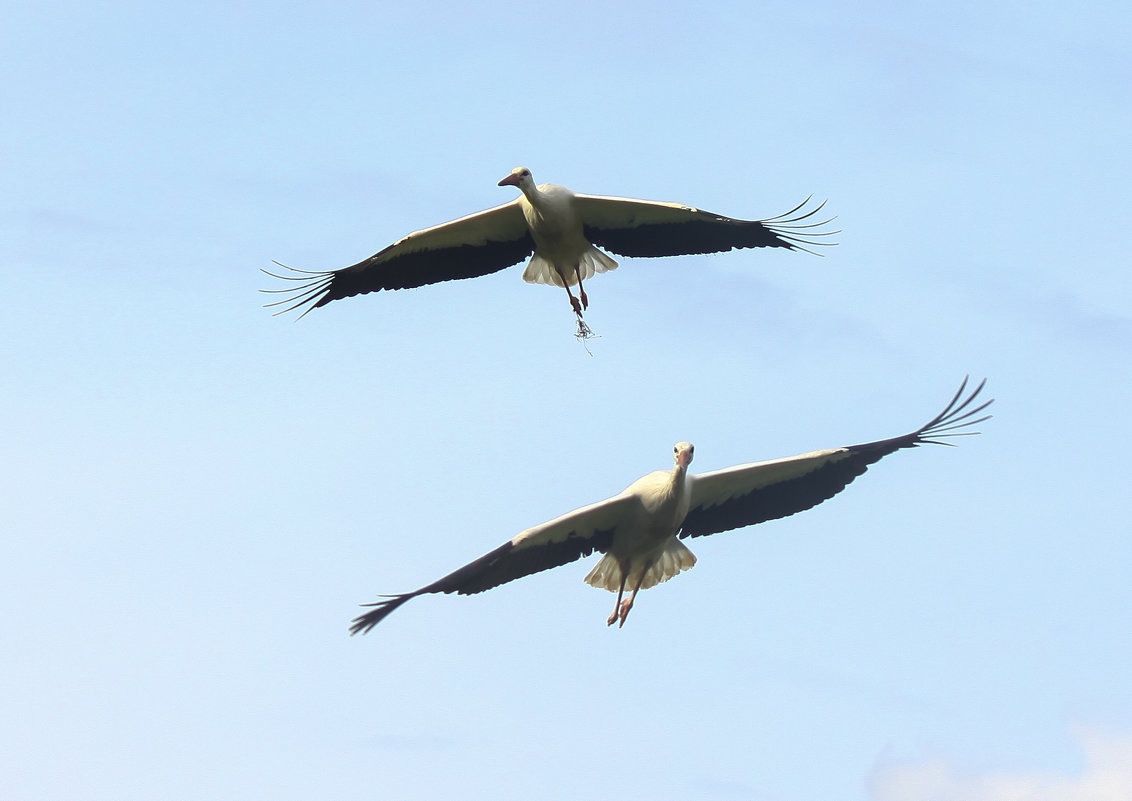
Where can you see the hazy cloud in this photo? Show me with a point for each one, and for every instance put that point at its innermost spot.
(1107, 776)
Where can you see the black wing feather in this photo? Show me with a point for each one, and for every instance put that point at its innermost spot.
(778, 500)
(708, 232)
(407, 271)
(506, 563)
(806, 491)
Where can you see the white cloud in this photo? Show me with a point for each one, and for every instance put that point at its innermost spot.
(1107, 777)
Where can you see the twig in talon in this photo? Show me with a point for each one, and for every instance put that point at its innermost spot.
(584, 331)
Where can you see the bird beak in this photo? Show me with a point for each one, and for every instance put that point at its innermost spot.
(510, 180)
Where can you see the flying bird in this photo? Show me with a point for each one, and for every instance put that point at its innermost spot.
(639, 530)
(562, 229)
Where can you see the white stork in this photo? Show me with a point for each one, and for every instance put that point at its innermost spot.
(562, 230)
(639, 530)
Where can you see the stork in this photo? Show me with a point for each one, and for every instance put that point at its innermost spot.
(639, 530)
(561, 231)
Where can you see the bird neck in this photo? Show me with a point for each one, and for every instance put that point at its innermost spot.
(674, 495)
(530, 192)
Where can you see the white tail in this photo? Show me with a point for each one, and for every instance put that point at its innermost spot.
(593, 261)
(674, 559)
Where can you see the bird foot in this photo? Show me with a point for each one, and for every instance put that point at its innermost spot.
(577, 306)
(582, 294)
(620, 612)
(626, 605)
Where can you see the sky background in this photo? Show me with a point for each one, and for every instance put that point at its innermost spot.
(197, 495)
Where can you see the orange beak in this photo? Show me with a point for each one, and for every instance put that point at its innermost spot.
(510, 180)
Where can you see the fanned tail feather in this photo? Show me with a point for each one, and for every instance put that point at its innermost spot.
(674, 559)
(593, 261)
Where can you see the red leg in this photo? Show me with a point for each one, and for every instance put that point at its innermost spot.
(617, 606)
(573, 300)
(628, 603)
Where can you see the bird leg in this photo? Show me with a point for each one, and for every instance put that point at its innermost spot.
(623, 607)
(617, 606)
(582, 294)
(626, 605)
(573, 300)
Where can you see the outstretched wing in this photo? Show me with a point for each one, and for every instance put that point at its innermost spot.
(562, 540)
(753, 493)
(631, 227)
(479, 244)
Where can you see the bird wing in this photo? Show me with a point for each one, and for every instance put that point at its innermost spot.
(564, 539)
(753, 493)
(631, 227)
(475, 245)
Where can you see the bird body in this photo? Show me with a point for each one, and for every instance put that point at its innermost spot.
(639, 529)
(643, 550)
(562, 256)
(561, 231)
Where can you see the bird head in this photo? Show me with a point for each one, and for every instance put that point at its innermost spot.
(518, 177)
(683, 453)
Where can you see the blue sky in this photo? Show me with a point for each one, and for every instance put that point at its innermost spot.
(198, 495)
